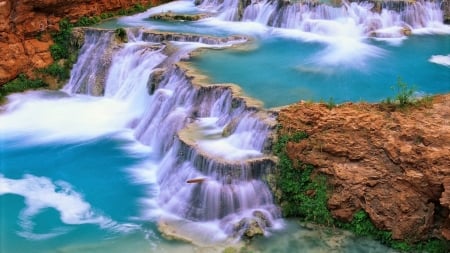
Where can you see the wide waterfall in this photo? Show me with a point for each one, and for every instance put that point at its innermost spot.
(155, 137)
(369, 18)
(195, 131)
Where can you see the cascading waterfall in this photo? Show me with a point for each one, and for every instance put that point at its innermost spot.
(228, 9)
(379, 19)
(94, 59)
(195, 132)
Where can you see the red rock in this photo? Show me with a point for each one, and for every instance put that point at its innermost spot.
(24, 20)
(394, 165)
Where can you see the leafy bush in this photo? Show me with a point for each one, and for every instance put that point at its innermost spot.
(60, 50)
(138, 8)
(404, 93)
(58, 71)
(121, 34)
(405, 98)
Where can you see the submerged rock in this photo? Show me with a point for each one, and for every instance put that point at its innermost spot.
(248, 228)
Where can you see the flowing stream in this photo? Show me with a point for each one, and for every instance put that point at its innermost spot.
(138, 149)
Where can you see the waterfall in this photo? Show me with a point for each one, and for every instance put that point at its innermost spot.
(370, 18)
(88, 74)
(228, 9)
(196, 132)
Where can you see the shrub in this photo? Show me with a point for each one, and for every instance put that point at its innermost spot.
(121, 34)
(138, 8)
(404, 94)
(330, 104)
(60, 50)
(58, 71)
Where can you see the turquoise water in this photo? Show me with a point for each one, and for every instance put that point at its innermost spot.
(70, 175)
(73, 179)
(280, 71)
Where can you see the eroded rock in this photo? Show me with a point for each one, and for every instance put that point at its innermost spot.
(393, 164)
(26, 26)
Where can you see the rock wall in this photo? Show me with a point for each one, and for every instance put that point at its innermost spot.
(393, 164)
(26, 25)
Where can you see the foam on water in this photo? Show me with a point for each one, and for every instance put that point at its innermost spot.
(229, 148)
(40, 193)
(78, 117)
(440, 59)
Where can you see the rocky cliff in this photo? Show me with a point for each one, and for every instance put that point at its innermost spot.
(394, 164)
(26, 25)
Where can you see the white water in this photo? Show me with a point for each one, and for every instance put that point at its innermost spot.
(40, 193)
(343, 29)
(441, 59)
(155, 121)
(46, 117)
(231, 192)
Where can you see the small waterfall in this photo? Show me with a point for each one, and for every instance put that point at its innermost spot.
(89, 73)
(205, 133)
(227, 9)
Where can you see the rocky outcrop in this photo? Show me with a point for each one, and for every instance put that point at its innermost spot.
(393, 164)
(26, 26)
(172, 17)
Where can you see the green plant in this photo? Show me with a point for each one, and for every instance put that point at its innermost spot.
(404, 94)
(434, 246)
(60, 50)
(330, 104)
(138, 8)
(303, 194)
(405, 98)
(122, 12)
(20, 84)
(121, 34)
(58, 71)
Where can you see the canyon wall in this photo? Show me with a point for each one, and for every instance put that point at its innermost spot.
(26, 25)
(394, 164)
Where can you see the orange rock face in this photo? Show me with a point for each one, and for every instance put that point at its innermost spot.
(25, 24)
(393, 164)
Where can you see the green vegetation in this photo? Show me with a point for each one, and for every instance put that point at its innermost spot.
(60, 50)
(121, 34)
(331, 104)
(404, 97)
(404, 93)
(304, 194)
(61, 73)
(20, 84)
(88, 21)
(64, 54)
